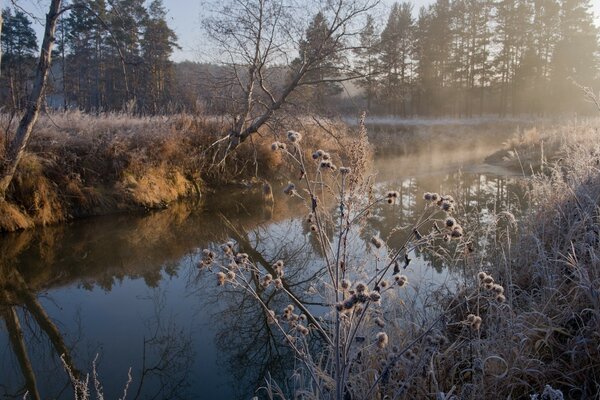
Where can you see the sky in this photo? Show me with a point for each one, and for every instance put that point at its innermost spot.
(184, 17)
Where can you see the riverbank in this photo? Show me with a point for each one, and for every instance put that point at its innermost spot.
(541, 335)
(80, 165)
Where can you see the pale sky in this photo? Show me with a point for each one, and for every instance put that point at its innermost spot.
(184, 18)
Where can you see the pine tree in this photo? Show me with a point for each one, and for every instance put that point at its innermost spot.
(576, 53)
(319, 45)
(126, 20)
(513, 24)
(18, 57)
(396, 57)
(158, 43)
(88, 42)
(367, 63)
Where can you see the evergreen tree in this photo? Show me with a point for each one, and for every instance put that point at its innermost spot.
(157, 45)
(126, 21)
(18, 57)
(576, 53)
(88, 41)
(319, 45)
(513, 24)
(396, 57)
(367, 63)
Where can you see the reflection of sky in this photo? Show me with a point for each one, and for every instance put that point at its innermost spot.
(114, 322)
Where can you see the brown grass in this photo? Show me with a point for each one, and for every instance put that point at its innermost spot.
(81, 165)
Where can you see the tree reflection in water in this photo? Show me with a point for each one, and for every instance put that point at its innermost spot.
(110, 253)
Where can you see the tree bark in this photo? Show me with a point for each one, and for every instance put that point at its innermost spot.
(19, 143)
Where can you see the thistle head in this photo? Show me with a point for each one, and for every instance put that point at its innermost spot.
(382, 340)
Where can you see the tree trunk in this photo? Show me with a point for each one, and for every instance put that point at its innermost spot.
(1, 37)
(34, 103)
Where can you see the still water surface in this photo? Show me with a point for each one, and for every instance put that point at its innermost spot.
(126, 289)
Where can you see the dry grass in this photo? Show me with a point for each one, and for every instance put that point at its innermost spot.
(529, 148)
(81, 165)
(546, 332)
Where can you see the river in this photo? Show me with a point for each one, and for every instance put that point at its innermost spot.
(126, 290)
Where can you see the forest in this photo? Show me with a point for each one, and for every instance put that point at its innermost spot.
(460, 58)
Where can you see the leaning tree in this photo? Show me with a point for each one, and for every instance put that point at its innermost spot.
(258, 41)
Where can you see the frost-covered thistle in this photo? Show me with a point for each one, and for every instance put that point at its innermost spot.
(457, 231)
(294, 136)
(361, 287)
(374, 296)
(345, 170)
(318, 154)
(401, 280)
(290, 189)
(474, 321)
(221, 278)
(382, 340)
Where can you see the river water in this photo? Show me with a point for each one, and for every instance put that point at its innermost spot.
(126, 290)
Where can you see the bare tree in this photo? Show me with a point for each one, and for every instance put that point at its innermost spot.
(17, 146)
(255, 39)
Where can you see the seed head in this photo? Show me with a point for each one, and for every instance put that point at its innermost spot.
(326, 156)
(350, 302)
(450, 222)
(314, 228)
(457, 231)
(401, 280)
(278, 283)
(375, 296)
(317, 154)
(290, 189)
(360, 287)
(500, 298)
(230, 275)
(498, 289)
(481, 275)
(488, 279)
(447, 206)
(345, 170)
(221, 278)
(382, 340)
(379, 322)
(435, 197)
(410, 355)
(392, 194)
(294, 136)
(346, 284)
(476, 324)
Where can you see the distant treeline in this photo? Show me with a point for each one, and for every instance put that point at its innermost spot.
(470, 57)
(106, 58)
(457, 57)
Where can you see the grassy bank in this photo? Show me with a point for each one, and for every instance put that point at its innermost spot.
(80, 165)
(529, 147)
(545, 331)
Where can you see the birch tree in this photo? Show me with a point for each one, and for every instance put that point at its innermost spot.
(258, 38)
(17, 146)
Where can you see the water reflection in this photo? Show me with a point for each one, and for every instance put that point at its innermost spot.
(128, 287)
